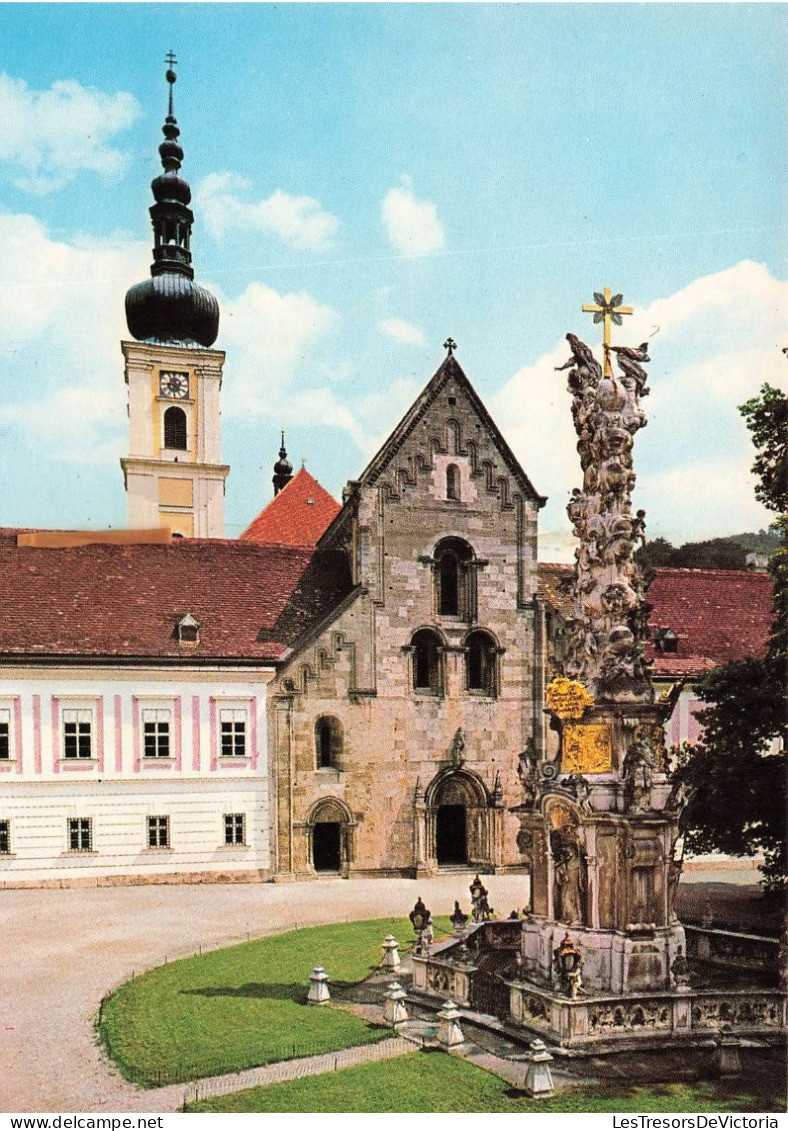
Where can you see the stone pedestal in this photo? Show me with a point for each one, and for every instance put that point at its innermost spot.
(450, 1033)
(391, 959)
(318, 987)
(613, 961)
(538, 1077)
(395, 1011)
(726, 1060)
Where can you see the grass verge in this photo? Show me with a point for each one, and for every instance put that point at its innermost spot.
(243, 1006)
(435, 1082)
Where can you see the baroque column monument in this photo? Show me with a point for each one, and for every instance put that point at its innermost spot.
(599, 824)
(599, 960)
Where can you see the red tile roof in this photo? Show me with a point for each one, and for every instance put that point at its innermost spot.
(298, 516)
(125, 600)
(719, 615)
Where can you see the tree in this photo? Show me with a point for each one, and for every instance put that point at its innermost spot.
(767, 420)
(736, 774)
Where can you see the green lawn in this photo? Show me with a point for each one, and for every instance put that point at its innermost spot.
(435, 1082)
(244, 1006)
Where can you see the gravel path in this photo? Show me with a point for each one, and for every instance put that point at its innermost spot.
(66, 949)
(284, 1070)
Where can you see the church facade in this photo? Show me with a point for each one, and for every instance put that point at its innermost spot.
(397, 722)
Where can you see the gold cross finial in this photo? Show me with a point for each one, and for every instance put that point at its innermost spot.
(607, 309)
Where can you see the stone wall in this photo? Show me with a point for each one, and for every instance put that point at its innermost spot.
(403, 752)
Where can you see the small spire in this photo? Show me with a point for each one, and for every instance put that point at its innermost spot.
(283, 469)
(450, 345)
(171, 61)
(171, 307)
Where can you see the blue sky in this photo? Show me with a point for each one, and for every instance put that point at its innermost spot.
(369, 179)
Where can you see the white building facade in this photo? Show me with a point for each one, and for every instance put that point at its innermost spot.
(133, 775)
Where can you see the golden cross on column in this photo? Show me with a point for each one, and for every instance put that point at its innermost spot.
(607, 309)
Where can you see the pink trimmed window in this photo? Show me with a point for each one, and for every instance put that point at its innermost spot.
(77, 732)
(5, 734)
(233, 728)
(156, 726)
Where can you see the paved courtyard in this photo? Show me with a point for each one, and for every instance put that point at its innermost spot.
(66, 949)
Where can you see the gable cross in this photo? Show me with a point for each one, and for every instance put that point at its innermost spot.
(607, 309)
(450, 345)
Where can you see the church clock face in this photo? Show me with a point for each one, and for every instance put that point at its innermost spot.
(173, 384)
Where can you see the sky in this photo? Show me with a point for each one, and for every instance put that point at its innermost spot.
(369, 179)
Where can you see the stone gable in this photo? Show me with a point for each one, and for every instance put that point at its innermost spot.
(426, 677)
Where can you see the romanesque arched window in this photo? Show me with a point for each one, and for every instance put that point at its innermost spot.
(452, 481)
(480, 663)
(175, 428)
(453, 579)
(328, 743)
(426, 661)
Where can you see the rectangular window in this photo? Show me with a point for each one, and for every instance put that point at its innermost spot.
(5, 733)
(158, 832)
(156, 733)
(233, 733)
(5, 838)
(80, 834)
(234, 828)
(77, 732)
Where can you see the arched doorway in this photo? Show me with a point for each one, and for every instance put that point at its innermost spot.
(326, 852)
(451, 835)
(459, 826)
(330, 846)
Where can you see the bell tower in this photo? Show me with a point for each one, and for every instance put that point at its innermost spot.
(173, 473)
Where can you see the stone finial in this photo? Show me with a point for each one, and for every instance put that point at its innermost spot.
(391, 959)
(680, 971)
(395, 1011)
(318, 987)
(726, 1060)
(449, 1033)
(538, 1077)
(458, 919)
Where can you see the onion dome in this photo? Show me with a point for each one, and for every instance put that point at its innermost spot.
(283, 469)
(170, 307)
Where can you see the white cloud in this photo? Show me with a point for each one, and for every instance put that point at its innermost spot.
(268, 336)
(298, 221)
(50, 136)
(402, 331)
(713, 344)
(413, 226)
(270, 340)
(61, 383)
(86, 424)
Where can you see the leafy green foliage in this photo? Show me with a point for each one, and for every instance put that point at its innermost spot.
(767, 420)
(737, 773)
(715, 553)
(244, 1006)
(435, 1082)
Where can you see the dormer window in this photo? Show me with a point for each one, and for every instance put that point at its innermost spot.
(666, 640)
(188, 630)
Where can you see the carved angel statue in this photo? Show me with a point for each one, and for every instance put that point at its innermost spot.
(638, 772)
